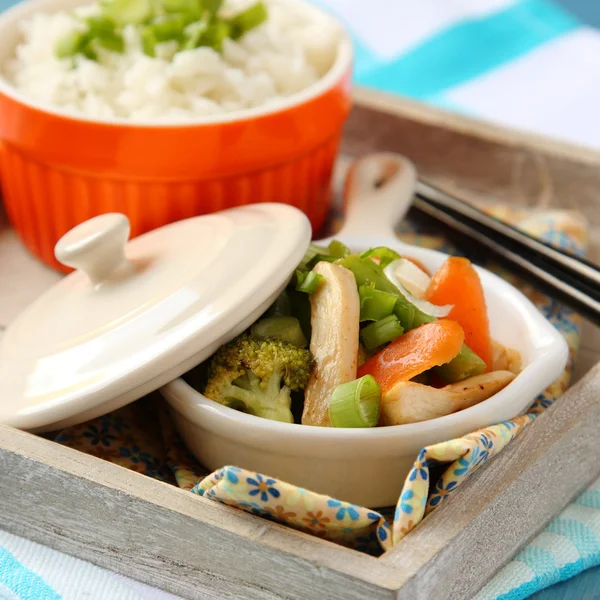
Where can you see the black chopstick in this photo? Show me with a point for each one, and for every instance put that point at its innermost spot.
(547, 264)
(559, 274)
(580, 298)
(443, 199)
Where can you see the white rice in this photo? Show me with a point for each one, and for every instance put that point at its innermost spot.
(291, 50)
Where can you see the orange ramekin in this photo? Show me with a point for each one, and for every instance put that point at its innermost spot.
(58, 170)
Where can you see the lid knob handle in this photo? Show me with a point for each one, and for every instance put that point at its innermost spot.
(96, 247)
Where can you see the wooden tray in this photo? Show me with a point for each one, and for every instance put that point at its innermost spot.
(197, 548)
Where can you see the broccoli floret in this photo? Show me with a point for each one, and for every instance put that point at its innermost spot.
(257, 376)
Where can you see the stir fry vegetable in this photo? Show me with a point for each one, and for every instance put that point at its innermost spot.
(375, 304)
(188, 24)
(381, 332)
(308, 281)
(378, 353)
(457, 283)
(258, 376)
(417, 351)
(286, 329)
(410, 316)
(355, 404)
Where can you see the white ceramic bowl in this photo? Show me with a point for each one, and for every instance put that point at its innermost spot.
(368, 466)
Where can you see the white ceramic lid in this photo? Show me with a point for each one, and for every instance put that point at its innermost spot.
(136, 315)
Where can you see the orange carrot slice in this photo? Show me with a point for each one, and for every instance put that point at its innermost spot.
(418, 350)
(457, 282)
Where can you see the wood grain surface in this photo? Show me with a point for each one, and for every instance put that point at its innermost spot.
(167, 537)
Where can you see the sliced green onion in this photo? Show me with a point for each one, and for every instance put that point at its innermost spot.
(191, 23)
(175, 6)
(375, 304)
(214, 35)
(381, 332)
(355, 404)
(248, 19)
(286, 329)
(101, 32)
(167, 28)
(71, 44)
(99, 26)
(311, 252)
(127, 12)
(385, 255)
(111, 41)
(406, 313)
(89, 50)
(190, 17)
(367, 272)
(182, 6)
(211, 6)
(149, 41)
(193, 35)
(338, 250)
(465, 364)
(308, 281)
(409, 315)
(313, 255)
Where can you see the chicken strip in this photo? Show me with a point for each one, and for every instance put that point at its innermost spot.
(335, 317)
(410, 402)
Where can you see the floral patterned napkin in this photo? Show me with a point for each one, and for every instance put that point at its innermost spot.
(141, 436)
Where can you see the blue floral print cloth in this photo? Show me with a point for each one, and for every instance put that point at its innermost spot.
(141, 437)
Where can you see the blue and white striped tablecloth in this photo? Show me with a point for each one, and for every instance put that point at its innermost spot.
(523, 63)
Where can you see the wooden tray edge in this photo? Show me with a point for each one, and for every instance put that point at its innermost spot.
(479, 128)
(43, 500)
(101, 512)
